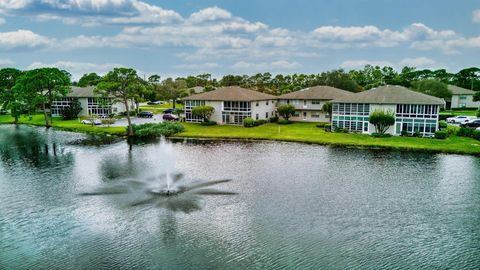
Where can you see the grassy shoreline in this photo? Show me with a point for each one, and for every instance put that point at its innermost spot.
(296, 132)
(309, 133)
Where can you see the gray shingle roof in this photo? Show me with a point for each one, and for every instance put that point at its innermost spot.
(82, 92)
(231, 93)
(391, 94)
(320, 92)
(459, 90)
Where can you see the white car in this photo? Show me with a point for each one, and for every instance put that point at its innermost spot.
(459, 119)
(89, 122)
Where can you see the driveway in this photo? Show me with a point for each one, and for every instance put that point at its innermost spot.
(157, 118)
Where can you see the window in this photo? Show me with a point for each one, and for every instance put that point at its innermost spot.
(352, 116)
(256, 116)
(266, 102)
(266, 115)
(315, 114)
(463, 97)
(315, 102)
(189, 105)
(304, 102)
(256, 104)
(99, 106)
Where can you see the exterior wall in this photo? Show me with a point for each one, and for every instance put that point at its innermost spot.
(410, 118)
(217, 114)
(117, 107)
(464, 101)
(306, 110)
(264, 107)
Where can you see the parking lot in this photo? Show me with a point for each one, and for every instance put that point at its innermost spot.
(157, 118)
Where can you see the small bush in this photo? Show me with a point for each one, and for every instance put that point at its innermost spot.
(441, 134)
(248, 122)
(442, 124)
(273, 119)
(451, 130)
(465, 132)
(416, 133)
(476, 135)
(150, 130)
(322, 124)
(284, 122)
(478, 113)
(108, 121)
(208, 123)
(404, 133)
(443, 117)
(381, 135)
(327, 127)
(259, 122)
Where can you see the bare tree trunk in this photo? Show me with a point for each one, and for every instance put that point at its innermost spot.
(174, 102)
(45, 114)
(130, 129)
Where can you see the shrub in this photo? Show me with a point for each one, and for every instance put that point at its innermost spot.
(441, 134)
(72, 111)
(382, 120)
(416, 133)
(476, 135)
(284, 122)
(259, 122)
(208, 123)
(327, 127)
(150, 130)
(442, 124)
(108, 121)
(204, 112)
(381, 135)
(478, 113)
(443, 117)
(404, 133)
(451, 130)
(248, 122)
(273, 119)
(465, 132)
(286, 110)
(322, 124)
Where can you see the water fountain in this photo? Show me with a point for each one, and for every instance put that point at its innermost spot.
(165, 188)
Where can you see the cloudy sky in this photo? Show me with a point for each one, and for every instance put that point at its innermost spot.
(177, 38)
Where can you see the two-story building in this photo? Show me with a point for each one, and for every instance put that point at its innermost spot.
(308, 102)
(232, 104)
(92, 104)
(462, 98)
(414, 111)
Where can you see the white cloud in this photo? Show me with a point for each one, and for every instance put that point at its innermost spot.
(6, 62)
(77, 69)
(22, 39)
(91, 12)
(418, 62)
(265, 66)
(356, 64)
(209, 14)
(199, 67)
(476, 16)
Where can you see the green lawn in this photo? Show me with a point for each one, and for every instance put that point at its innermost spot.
(159, 108)
(462, 112)
(308, 132)
(70, 125)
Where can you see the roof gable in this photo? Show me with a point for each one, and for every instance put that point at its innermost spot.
(320, 92)
(231, 93)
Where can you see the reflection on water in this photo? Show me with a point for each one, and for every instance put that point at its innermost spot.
(298, 206)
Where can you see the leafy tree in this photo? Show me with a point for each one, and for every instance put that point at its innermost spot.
(327, 108)
(468, 78)
(172, 90)
(382, 120)
(72, 111)
(10, 98)
(476, 96)
(204, 112)
(286, 110)
(124, 85)
(89, 79)
(41, 86)
(433, 88)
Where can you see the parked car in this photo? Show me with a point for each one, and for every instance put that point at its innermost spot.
(471, 124)
(90, 122)
(170, 117)
(459, 119)
(170, 110)
(157, 102)
(145, 114)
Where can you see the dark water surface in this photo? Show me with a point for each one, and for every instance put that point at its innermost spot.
(299, 207)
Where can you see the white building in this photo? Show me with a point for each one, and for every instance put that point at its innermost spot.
(413, 111)
(232, 104)
(462, 98)
(308, 102)
(92, 104)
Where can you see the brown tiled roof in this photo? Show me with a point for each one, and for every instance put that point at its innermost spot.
(231, 93)
(391, 94)
(320, 92)
(456, 90)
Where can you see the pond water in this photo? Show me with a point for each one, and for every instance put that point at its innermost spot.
(298, 206)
